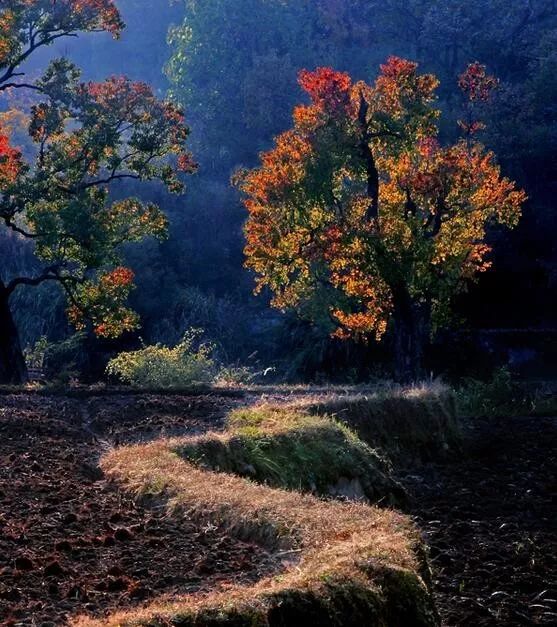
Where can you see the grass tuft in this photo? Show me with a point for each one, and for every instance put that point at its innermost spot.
(408, 425)
(290, 449)
(503, 397)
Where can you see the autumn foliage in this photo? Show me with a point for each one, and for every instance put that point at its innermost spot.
(359, 218)
(50, 19)
(10, 161)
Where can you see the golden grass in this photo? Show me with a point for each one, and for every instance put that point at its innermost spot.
(343, 564)
(333, 548)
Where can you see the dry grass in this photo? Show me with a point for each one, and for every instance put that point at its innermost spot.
(343, 560)
(343, 564)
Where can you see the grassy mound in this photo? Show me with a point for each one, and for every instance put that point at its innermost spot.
(344, 563)
(408, 425)
(293, 450)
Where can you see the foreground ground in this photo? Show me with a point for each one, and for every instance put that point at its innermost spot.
(489, 519)
(70, 543)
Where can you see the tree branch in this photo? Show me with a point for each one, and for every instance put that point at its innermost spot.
(16, 229)
(20, 85)
(44, 41)
(435, 220)
(372, 212)
(49, 274)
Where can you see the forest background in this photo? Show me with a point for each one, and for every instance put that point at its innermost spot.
(233, 67)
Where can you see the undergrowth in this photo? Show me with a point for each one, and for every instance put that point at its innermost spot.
(189, 364)
(502, 396)
(192, 364)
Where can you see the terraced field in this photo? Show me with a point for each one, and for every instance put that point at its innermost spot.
(76, 542)
(71, 542)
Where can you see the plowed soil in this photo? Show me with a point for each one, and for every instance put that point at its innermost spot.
(70, 543)
(490, 519)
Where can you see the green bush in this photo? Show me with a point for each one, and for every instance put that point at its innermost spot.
(487, 398)
(34, 355)
(498, 397)
(188, 365)
(60, 362)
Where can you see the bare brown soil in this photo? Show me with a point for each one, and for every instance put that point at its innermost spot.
(70, 542)
(490, 520)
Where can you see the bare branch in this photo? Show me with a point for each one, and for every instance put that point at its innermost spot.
(20, 85)
(16, 229)
(49, 274)
(33, 45)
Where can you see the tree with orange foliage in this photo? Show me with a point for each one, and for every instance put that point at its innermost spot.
(359, 219)
(86, 136)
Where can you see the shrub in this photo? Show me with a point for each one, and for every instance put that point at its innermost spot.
(234, 376)
(34, 355)
(188, 365)
(496, 397)
(64, 361)
(241, 376)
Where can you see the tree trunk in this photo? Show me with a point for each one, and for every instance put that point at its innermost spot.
(12, 363)
(411, 336)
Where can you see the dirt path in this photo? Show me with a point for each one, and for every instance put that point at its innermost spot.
(491, 522)
(71, 543)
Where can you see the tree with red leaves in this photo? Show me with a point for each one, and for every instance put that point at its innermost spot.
(86, 136)
(361, 221)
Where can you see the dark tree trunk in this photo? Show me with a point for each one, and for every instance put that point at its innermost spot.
(411, 336)
(12, 363)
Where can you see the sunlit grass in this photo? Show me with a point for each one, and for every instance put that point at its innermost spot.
(336, 551)
(286, 448)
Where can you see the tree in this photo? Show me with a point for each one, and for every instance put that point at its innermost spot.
(360, 220)
(239, 97)
(85, 136)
